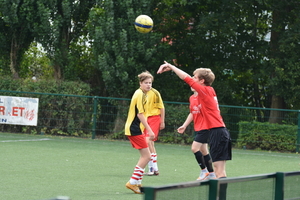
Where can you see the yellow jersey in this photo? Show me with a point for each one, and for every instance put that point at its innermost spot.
(133, 125)
(154, 103)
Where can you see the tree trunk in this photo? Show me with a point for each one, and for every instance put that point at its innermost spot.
(276, 116)
(57, 72)
(277, 29)
(13, 58)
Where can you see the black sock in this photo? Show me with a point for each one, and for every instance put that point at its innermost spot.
(200, 159)
(208, 163)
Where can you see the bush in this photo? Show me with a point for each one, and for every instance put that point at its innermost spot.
(176, 115)
(267, 136)
(175, 138)
(58, 114)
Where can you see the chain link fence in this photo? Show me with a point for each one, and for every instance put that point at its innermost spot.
(104, 117)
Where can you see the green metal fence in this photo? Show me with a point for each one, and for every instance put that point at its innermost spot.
(274, 186)
(94, 116)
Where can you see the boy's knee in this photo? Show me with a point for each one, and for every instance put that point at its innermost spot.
(194, 150)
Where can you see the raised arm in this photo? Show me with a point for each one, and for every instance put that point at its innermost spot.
(168, 67)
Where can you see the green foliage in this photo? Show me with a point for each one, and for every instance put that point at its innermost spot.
(267, 136)
(80, 66)
(58, 114)
(176, 115)
(251, 46)
(215, 34)
(17, 19)
(35, 63)
(63, 35)
(7, 83)
(116, 136)
(175, 138)
(121, 53)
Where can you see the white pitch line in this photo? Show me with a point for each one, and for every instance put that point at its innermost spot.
(32, 140)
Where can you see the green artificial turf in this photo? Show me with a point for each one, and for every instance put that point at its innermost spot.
(38, 167)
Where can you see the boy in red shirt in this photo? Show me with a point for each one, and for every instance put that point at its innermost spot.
(199, 145)
(219, 141)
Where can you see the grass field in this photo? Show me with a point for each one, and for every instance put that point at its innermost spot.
(43, 167)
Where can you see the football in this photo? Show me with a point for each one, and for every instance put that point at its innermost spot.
(143, 24)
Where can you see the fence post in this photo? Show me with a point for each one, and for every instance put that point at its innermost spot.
(213, 189)
(94, 118)
(279, 186)
(149, 193)
(298, 133)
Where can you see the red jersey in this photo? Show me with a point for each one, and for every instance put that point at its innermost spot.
(195, 110)
(209, 105)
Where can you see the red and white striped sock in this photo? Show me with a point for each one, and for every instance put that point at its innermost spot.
(154, 160)
(137, 176)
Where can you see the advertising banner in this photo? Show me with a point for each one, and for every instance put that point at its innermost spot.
(19, 110)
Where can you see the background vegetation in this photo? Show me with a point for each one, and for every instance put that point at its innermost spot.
(250, 45)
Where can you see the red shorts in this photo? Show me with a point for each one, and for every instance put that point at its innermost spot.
(154, 123)
(138, 141)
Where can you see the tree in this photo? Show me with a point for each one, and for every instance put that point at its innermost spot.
(231, 38)
(17, 19)
(35, 63)
(121, 53)
(284, 76)
(224, 36)
(64, 27)
(5, 47)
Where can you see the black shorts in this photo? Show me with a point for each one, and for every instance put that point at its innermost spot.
(220, 144)
(201, 136)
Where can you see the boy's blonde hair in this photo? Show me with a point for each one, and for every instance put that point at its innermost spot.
(145, 75)
(206, 74)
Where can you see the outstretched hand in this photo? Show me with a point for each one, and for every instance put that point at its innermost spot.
(164, 68)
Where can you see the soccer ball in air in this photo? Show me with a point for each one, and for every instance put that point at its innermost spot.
(143, 24)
